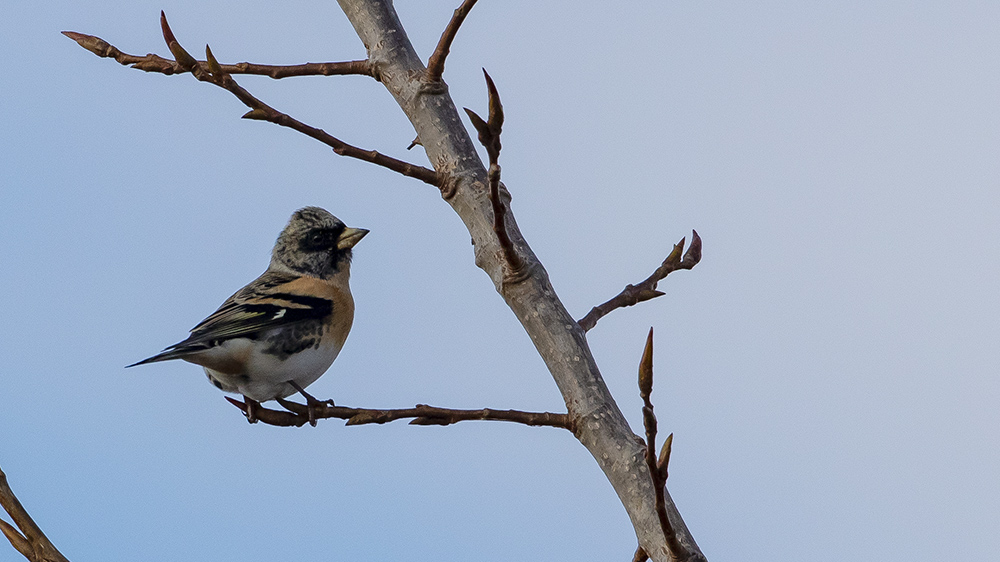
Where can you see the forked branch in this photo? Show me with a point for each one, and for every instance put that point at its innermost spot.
(30, 541)
(421, 414)
(646, 290)
(210, 70)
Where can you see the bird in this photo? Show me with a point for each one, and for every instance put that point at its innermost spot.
(281, 332)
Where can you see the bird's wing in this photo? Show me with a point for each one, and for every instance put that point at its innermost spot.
(272, 300)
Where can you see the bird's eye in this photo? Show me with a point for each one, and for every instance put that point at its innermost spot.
(319, 240)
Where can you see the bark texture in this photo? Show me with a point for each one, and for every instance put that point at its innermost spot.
(559, 339)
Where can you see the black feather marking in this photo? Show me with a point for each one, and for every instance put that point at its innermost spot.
(249, 320)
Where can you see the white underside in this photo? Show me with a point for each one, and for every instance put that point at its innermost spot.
(267, 376)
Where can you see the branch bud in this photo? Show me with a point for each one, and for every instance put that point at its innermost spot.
(648, 295)
(256, 114)
(95, 45)
(213, 65)
(664, 461)
(675, 255)
(184, 59)
(693, 255)
(646, 368)
(496, 108)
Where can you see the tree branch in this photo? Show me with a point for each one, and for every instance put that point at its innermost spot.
(211, 71)
(646, 290)
(422, 414)
(156, 63)
(33, 543)
(657, 471)
(435, 64)
(559, 340)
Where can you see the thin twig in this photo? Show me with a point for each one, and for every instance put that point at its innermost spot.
(435, 65)
(156, 63)
(640, 555)
(657, 470)
(649, 423)
(30, 541)
(211, 71)
(646, 290)
(422, 414)
(489, 135)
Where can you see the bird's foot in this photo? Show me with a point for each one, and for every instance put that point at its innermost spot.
(312, 403)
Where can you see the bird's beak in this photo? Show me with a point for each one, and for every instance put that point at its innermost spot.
(350, 237)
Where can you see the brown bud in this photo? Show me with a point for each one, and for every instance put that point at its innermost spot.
(646, 368)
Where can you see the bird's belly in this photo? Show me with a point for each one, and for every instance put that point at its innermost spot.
(265, 374)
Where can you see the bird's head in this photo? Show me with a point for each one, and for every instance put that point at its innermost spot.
(315, 243)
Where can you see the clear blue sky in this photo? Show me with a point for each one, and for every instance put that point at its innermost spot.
(829, 370)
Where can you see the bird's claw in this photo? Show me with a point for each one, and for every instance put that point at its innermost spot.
(249, 407)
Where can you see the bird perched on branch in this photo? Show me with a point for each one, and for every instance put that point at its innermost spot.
(281, 332)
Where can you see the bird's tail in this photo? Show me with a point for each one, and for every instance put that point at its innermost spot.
(165, 355)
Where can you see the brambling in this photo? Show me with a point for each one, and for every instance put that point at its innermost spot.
(281, 332)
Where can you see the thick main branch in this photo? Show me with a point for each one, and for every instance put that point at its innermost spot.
(559, 340)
